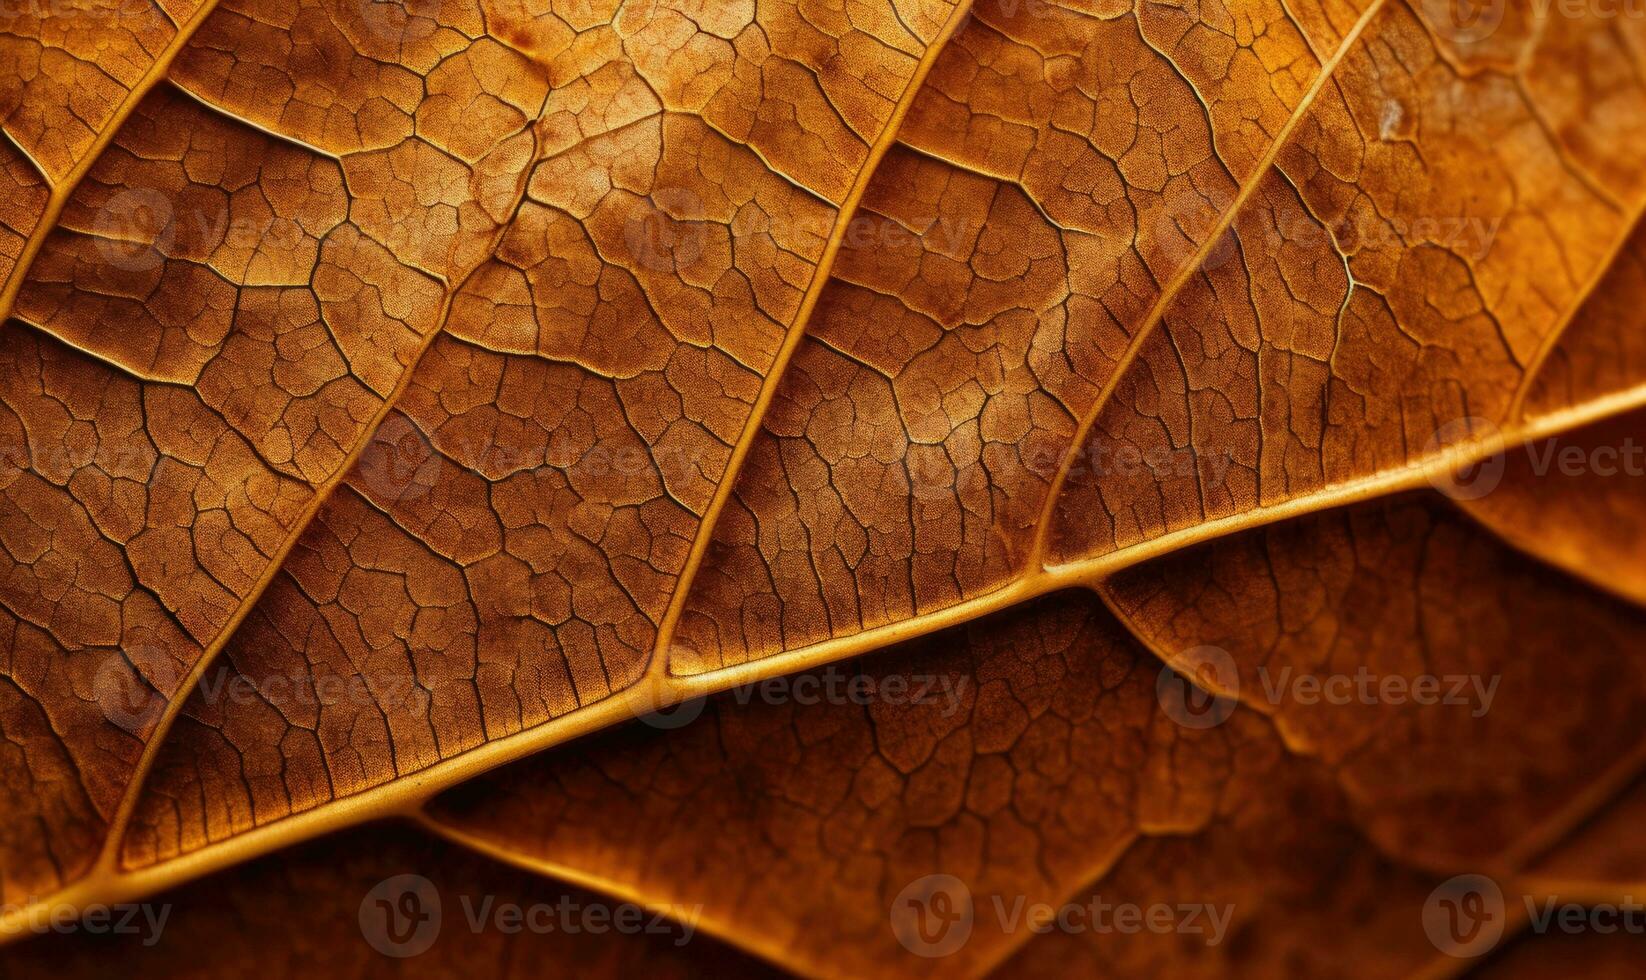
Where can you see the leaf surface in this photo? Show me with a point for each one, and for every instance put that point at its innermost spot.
(391, 392)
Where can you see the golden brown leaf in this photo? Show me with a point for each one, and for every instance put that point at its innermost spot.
(392, 391)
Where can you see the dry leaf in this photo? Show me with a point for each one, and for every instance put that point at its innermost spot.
(389, 392)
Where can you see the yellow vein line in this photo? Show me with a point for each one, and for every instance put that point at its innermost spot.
(1088, 573)
(60, 192)
(659, 666)
(1191, 268)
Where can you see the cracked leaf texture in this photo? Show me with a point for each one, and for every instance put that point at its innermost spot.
(446, 437)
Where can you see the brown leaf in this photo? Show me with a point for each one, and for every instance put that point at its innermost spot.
(392, 391)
